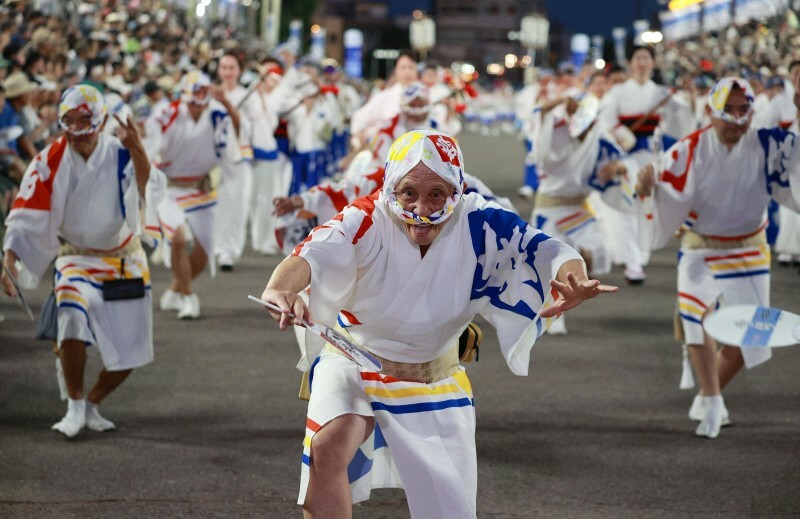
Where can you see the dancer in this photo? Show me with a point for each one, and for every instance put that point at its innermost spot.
(403, 272)
(716, 184)
(82, 201)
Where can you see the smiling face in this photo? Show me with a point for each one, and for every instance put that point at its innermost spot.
(423, 192)
(737, 106)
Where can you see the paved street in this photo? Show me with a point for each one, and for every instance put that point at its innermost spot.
(213, 428)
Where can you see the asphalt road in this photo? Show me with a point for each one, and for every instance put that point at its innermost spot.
(213, 427)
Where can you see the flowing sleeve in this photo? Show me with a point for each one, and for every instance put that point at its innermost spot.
(140, 211)
(781, 166)
(663, 213)
(515, 263)
(35, 217)
(334, 251)
(618, 192)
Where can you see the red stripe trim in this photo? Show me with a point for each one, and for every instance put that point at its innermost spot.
(377, 377)
(66, 287)
(190, 196)
(568, 218)
(350, 317)
(311, 424)
(188, 179)
(692, 298)
(734, 256)
(124, 243)
(734, 238)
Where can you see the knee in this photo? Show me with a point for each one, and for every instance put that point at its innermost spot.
(329, 455)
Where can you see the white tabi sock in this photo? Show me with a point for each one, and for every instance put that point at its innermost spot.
(698, 410)
(74, 420)
(712, 420)
(96, 422)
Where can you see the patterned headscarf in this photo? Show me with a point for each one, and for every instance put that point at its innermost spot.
(436, 150)
(86, 99)
(412, 92)
(718, 97)
(191, 83)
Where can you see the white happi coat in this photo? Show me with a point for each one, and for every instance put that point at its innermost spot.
(236, 181)
(94, 206)
(722, 194)
(568, 168)
(187, 150)
(370, 278)
(788, 240)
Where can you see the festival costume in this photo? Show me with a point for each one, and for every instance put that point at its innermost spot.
(186, 150)
(91, 216)
(568, 171)
(625, 104)
(236, 183)
(270, 179)
(787, 243)
(720, 197)
(410, 310)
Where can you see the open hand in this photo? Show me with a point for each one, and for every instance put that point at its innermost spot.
(572, 293)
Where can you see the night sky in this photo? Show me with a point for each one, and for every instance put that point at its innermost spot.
(599, 16)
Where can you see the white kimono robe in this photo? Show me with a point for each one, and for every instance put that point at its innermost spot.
(236, 183)
(370, 278)
(93, 205)
(568, 169)
(722, 194)
(186, 150)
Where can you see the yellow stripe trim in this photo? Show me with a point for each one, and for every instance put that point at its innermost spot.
(692, 309)
(739, 264)
(68, 295)
(412, 391)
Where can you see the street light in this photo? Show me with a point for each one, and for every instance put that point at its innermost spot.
(422, 33)
(534, 33)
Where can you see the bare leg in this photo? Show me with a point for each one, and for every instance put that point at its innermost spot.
(181, 266)
(331, 451)
(73, 360)
(704, 362)
(198, 260)
(729, 363)
(107, 381)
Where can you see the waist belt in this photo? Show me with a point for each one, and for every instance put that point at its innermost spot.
(542, 200)
(202, 183)
(693, 240)
(425, 372)
(133, 246)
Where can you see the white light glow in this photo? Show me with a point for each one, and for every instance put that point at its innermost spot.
(600, 64)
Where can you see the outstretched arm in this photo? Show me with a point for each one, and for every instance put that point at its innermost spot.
(574, 287)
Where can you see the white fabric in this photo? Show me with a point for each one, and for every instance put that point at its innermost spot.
(61, 195)
(424, 440)
(270, 180)
(121, 330)
(701, 286)
(184, 147)
(722, 193)
(64, 197)
(504, 268)
(382, 106)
